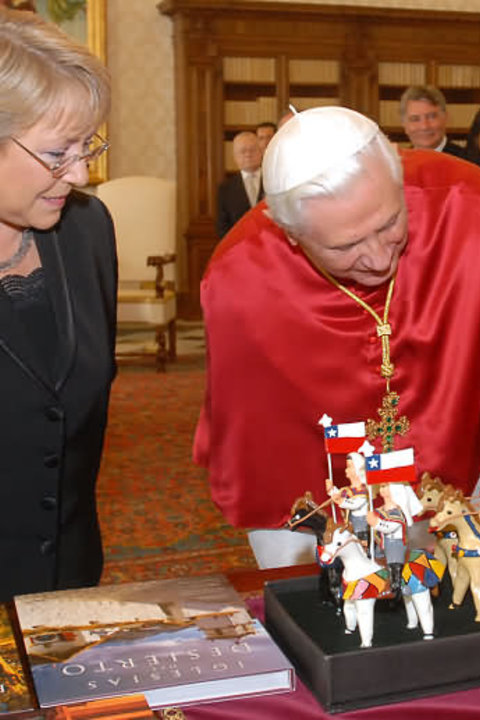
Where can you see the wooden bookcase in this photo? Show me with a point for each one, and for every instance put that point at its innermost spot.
(240, 62)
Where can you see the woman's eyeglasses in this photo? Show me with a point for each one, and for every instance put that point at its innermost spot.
(96, 147)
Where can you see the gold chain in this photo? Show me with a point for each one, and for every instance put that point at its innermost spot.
(384, 329)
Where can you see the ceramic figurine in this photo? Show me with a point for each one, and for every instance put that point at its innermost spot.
(389, 523)
(354, 498)
(307, 516)
(457, 512)
(430, 494)
(365, 581)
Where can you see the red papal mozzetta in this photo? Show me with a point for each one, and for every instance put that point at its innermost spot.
(283, 344)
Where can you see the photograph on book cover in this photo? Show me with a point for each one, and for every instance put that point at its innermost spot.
(179, 641)
(14, 692)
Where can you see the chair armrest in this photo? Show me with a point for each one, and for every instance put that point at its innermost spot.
(159, 261)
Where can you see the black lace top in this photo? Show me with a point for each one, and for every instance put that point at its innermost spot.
(30, 299)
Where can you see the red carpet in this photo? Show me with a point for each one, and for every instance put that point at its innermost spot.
(155, 509)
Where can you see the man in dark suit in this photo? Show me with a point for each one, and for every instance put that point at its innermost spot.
(241, 191)
(423, 111)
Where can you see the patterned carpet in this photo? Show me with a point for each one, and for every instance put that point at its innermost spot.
(155, 509)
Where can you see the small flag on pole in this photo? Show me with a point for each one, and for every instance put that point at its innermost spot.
(344, 438)
(396, 466)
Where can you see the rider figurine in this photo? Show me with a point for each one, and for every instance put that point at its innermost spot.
(389, 523)
(353, 498)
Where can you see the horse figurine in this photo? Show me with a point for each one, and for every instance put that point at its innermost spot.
(430, 493)
(306, 513)
(307, 516)
(456, 511)
(365, 581)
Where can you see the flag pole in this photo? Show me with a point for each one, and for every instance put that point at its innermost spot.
(326, 422)
(367, 449)
(370, 507)
(330, 477)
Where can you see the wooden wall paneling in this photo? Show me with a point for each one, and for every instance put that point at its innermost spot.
(204, 162)
(282, 82)
(199, 162)
(359, 86)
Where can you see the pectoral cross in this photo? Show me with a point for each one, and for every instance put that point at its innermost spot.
(389, 425)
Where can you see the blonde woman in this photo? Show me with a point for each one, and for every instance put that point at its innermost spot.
(57, 307)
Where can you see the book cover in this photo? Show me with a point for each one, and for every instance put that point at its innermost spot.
(14, 692)
(178, 641)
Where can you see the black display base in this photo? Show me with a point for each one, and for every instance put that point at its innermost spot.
(400, 665)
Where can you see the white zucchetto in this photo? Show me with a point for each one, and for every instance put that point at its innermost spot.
(312, 142)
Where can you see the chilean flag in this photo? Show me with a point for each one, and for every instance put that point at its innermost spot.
(396, 466)
(344, 438)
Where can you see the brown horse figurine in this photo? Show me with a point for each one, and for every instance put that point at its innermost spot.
(430, 493)
(455, 511)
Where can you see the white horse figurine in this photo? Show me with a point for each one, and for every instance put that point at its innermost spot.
(457, 512)
(365, 581)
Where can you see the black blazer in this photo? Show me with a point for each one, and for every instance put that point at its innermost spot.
(52, 430)
(232, 202)
(452, 148)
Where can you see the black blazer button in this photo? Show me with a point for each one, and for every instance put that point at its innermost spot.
(54, 413)
(51, 461)
(47, 546)
(49, 502)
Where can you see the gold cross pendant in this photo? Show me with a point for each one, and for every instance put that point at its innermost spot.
(389, 425)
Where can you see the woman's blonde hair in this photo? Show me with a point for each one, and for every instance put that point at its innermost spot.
(44, 72)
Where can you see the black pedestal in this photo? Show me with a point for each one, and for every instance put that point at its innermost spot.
(399, 666)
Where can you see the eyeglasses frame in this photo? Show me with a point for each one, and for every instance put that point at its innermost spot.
(66, 163)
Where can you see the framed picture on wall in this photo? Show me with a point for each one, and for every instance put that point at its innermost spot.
(85, 20)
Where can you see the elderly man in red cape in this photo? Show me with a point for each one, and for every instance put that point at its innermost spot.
(355, 284)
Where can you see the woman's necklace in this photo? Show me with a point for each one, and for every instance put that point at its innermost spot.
(389, 425)
(19, 254)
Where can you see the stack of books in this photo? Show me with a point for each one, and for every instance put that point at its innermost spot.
(15, 695)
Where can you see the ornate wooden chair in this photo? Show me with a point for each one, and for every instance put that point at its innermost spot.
(144, 213)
